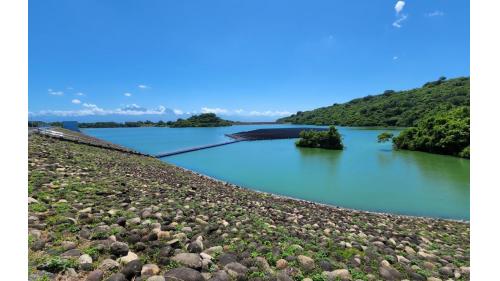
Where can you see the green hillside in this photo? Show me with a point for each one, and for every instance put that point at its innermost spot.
(402, 108)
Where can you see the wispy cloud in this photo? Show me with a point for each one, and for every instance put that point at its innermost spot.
(242, 112)
(80, 94)
(398, 22)
(179, 112)
(127, 94)
(214, 110)
(89, 109)
(395, 57)
(55, 93)
(142, 86)
(400, 5)
(435, 14)
(76, 101)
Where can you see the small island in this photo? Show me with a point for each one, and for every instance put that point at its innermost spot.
(202, 120)
(330, 139)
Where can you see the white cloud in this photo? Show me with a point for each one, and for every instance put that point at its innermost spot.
(142, 86)
(435, 14)
(80, 94)
(89, 109)
(127, 94)
(76, 101)
(179, 112)
(398, 22)
(269, 113)
(399, 6)
(395, 57)
(69, 88)
(242, 112)
(214, 110)
(55, 93)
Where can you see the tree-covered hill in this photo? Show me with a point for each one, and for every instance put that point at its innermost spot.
(402, 108)
(202, 120)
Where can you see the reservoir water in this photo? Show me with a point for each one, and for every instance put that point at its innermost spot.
(366, 175)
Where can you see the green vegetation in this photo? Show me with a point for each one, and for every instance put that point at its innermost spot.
(202, 120)
(385, 137)
(444, 133)
(330, 139)
(402, 108)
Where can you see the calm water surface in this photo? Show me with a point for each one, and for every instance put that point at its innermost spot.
(366, 175)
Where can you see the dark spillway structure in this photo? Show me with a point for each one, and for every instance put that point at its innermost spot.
(272, 134)
(260, 134)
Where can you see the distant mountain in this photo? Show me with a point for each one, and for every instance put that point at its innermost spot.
(391, 108)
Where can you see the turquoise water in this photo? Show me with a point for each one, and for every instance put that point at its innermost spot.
(366, 175)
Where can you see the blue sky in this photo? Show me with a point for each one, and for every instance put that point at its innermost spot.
(121, 60)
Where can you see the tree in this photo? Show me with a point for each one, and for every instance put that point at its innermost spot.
(330, 139)
(385, 137)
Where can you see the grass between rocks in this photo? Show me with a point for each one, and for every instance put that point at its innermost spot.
(86, 198)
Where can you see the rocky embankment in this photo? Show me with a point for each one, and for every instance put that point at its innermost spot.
(101, 214)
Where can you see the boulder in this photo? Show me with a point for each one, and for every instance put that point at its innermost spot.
(183, 274)
(188, 259)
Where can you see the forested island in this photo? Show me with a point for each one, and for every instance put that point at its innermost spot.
(330, 139)
(437, 116)
(202, 120)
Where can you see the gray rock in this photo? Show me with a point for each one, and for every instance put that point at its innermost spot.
(119, 249)
(263, 265)
(150, 270)
(342, 274)
(156, 278)
(85, 262)
(95, 275)
(195, 246)
(183, 274)
(117, 277)
(227, 258)
(213, 250)
(220, 275)
(325, 265)
(236, 270)
(282, 276)
(109, 265)
(188, 259)
(306, 262)
(281, 264)
(38, 245)
(389, 273)
(132, 269)
(72, 253)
